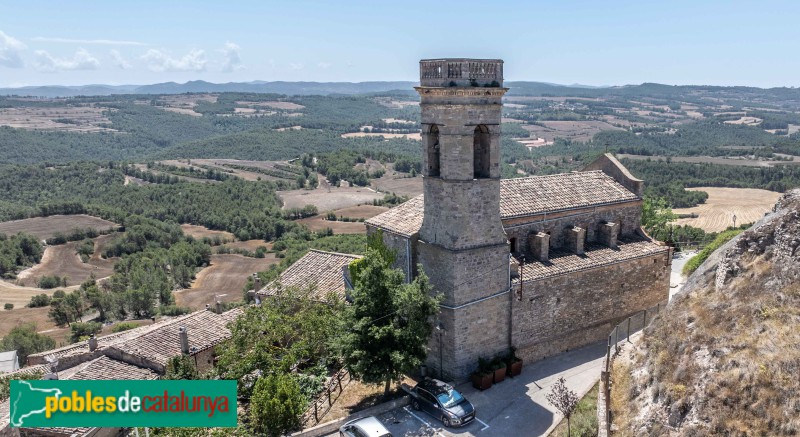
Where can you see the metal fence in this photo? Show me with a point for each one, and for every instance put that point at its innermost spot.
(332, 390)
(622, 333)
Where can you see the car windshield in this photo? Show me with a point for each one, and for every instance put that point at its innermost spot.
(450, 398)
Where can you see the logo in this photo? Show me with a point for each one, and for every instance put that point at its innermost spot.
(123, 403)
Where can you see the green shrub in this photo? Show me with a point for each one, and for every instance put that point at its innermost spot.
(8, 306)
(173, 310)
(83, 330)
(123, 326)
(700, 258)
(276, 405)
(40, 300)
(48, 282)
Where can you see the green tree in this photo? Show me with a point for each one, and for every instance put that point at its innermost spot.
(656, 216)
(81, 331)
(276, 405)
(386, 329)
(279, 333)
(181, 367)
(25, 340)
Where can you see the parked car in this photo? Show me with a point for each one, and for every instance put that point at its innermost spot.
(365, 427)
(443, 402)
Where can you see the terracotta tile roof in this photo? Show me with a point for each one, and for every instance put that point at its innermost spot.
(158, 345)
(104, 341)
(404, 219)
(109, 368)
(317, 269)
(520, 197)
(232, 314)
(30, 370)
(563, 261)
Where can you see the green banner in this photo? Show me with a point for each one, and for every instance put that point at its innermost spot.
(123, 403)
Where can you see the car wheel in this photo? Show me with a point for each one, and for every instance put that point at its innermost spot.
(415, 405)
(446, 422)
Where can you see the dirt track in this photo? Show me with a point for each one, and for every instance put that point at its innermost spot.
(224, 278)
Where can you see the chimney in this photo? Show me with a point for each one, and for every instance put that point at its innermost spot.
(219, 307)
(540, 246)
(92, 343)
(184, 338)
(608, 234)
(575, 239)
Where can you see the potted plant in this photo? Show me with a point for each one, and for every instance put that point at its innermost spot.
(513, 363)
(482, 378)
(498, 369)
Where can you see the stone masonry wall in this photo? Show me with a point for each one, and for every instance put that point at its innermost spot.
(628, 216)
(405, 252)
(568, 311)
(479, 330)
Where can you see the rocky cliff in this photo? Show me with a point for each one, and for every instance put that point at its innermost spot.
(724, 358)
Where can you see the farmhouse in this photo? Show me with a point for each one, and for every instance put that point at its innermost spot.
(542, 264)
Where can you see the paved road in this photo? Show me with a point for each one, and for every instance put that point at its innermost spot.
(676, 278)
(515, 407)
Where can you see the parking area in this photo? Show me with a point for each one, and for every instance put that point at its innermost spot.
(515, 407)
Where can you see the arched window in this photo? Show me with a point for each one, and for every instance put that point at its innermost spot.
(481, 152)
(433, 151)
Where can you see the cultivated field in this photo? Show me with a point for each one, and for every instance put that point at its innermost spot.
(327, 198)
(748, 204)
(395, 183)
(200, 232)
(250, 245)
(571, 130)
(318, 222)
(414, 136)
(715, 160)
(20, 296)
(59, 118)
(46, 227)
(37, 316)
(63, 260)
(224, 279)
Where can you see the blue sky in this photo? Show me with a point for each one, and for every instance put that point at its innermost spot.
(588, 42)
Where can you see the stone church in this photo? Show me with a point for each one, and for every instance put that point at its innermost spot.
(543, 264)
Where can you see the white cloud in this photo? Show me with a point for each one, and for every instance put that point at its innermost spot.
(159, 61)
(294, 66)
(324, 65)
(89, 41)
(120, 61)
(81, 60)
(10, 48)
(232, 60)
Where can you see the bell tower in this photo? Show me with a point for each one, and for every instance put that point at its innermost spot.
(462, 245)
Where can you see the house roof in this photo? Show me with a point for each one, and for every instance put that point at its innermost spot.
(109, 368)
(322, 271)
(404, 219)
(564, 261)
(158, 345)
(521, 197)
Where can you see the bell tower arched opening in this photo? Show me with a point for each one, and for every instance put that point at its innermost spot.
(434, 152)
(481, 155)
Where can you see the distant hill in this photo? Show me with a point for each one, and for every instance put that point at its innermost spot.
(517, 88)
